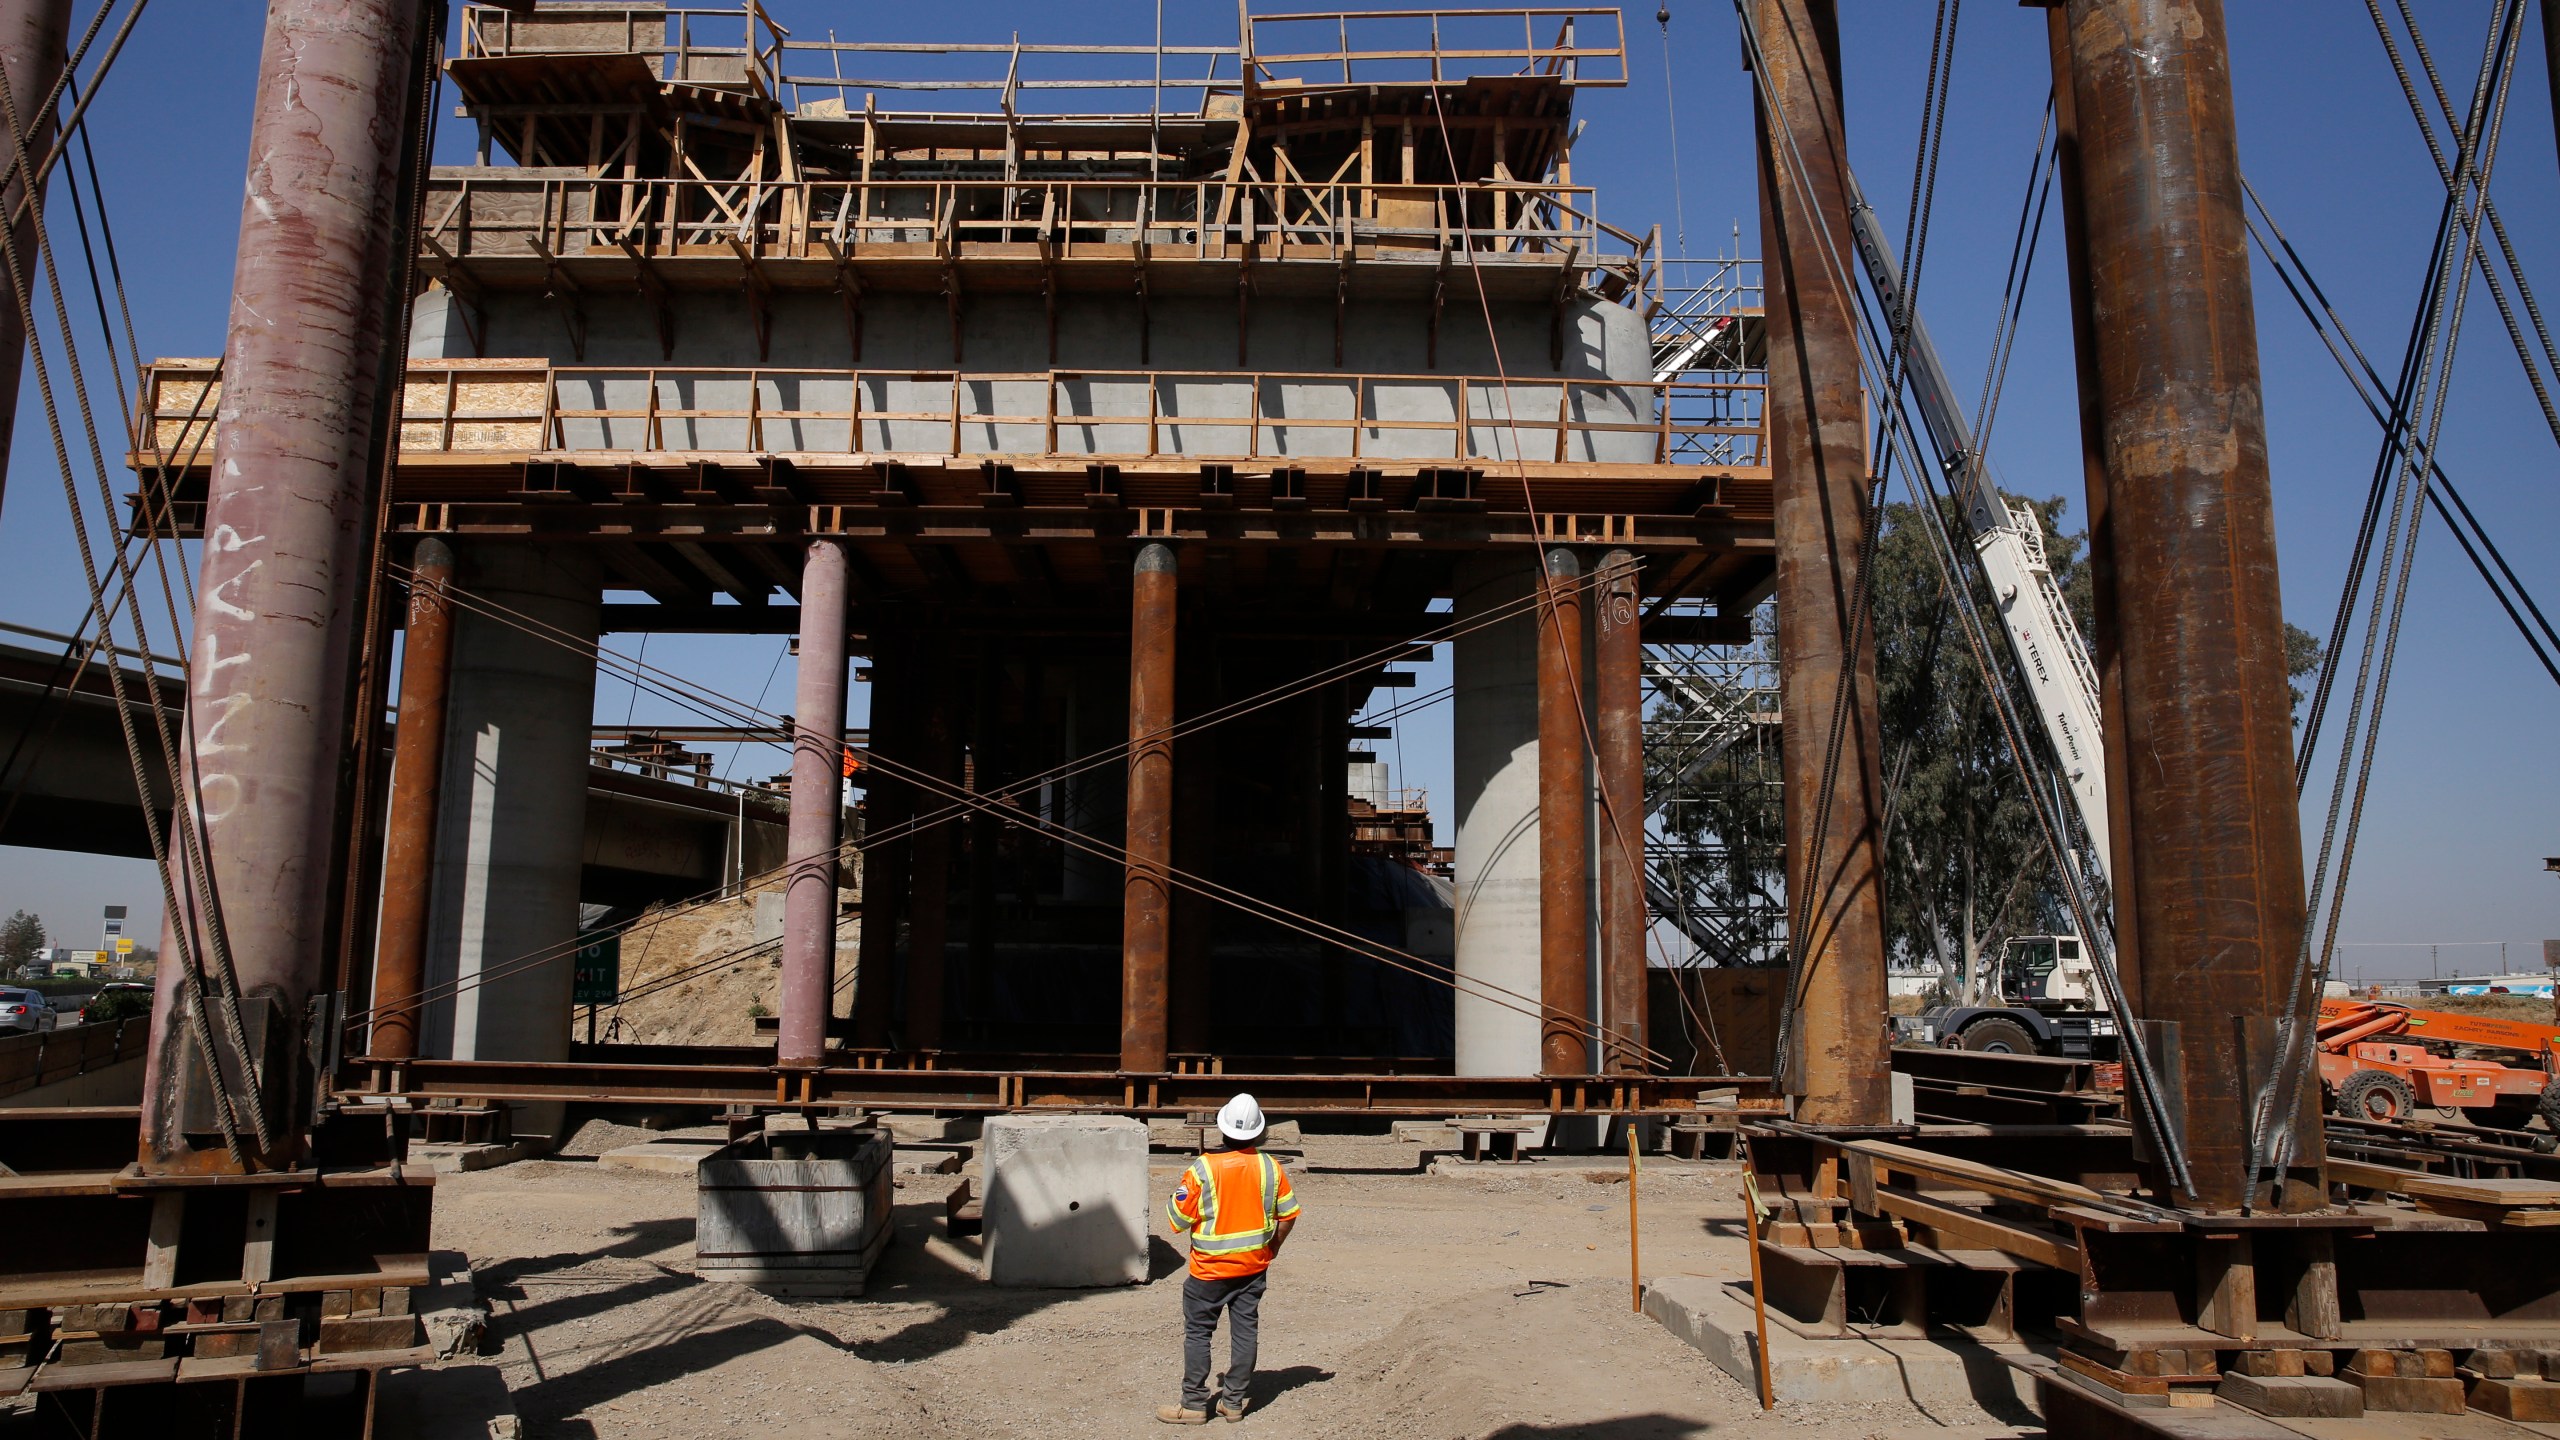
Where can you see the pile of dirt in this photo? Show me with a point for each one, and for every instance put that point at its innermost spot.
(712, 1003)
(2531, 1009)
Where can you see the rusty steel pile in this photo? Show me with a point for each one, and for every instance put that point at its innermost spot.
(1134, 451)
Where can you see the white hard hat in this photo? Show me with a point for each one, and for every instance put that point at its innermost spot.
(1241, 1119)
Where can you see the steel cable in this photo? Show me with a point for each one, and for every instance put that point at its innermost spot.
(2271, 1140)
(2139, 1066)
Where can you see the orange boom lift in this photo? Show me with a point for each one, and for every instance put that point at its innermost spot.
(2380, 1061)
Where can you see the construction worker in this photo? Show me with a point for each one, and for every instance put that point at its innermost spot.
(1236, 1206)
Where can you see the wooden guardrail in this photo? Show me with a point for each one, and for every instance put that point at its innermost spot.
(502, 408)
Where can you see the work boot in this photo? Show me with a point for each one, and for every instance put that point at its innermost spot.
(1231, 1410)
(1176, 1415)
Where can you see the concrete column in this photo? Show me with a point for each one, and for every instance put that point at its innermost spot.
(929, 856)
(1617, 682)
(888, 805)
(817, 808)
(1826, 639)
(1146, 925)
(1494, 772)
(1564, 823)
(287, 526)
(511, 834)
(32, 37)
(2197, 622)
(417, 779)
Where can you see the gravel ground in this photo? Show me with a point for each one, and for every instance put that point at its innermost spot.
(1489, 1304)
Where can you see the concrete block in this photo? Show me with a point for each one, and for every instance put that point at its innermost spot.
(2292, 1395)
(1067, 1200)
(1906, 1100)
(661, 1157)
(1713, 1318)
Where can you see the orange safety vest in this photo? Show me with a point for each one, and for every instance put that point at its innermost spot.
(1231, 1203)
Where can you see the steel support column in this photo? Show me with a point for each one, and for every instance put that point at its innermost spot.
(1564, 824)
(286, 522)
(2105, 654)
(417, 787)
(1826, 636)
(1147, 924)
(2198, 620)
(1617, 683)
(32, 37)
(817, 808)
(929, 854)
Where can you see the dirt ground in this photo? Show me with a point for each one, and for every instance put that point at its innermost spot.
(1493, 1303)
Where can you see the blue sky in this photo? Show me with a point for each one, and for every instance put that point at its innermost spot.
(2463, 804)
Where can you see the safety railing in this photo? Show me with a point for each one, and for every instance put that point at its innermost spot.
(499, 212)
(666, 36)
(526, 408)
(1580, 46)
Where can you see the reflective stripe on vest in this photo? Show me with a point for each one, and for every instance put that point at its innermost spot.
(1211, 1239)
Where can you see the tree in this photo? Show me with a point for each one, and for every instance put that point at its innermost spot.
(21, 936)
(1965, 859)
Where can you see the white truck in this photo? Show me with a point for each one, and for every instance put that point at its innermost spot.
(2049, 1004)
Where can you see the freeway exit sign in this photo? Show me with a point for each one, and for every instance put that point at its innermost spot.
(599, 970)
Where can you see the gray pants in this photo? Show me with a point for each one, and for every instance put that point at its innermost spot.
(1202, 1299)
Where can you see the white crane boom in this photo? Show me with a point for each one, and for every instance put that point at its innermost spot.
(2008, 542)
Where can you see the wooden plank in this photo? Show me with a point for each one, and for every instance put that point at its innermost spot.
(2417, 1185)
(1990, 1179)
(1981, 1231)
(2497, 1215)
(87, 1377)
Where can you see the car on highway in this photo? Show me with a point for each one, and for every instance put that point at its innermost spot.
(121, 1009)
(24, 1012)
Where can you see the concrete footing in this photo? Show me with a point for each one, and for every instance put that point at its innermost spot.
(1067, 1200)
(456, 1157)
(1715, 1317)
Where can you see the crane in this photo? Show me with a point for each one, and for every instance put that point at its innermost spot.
(2008, 543)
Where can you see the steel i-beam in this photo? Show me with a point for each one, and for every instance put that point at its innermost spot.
(417, 783)
(2198, 620)
(1564, 822)
(32, 35)
(1617, 664)
(1826, 638)
(817, 808)
(1147, 924)
(286, 525)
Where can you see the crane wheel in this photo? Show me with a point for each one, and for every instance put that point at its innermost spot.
(2548, 1107)
(1998, 1036)
(2376, 1095)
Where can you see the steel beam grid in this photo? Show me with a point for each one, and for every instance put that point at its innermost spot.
(990, 1091)
(2162, 1299)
